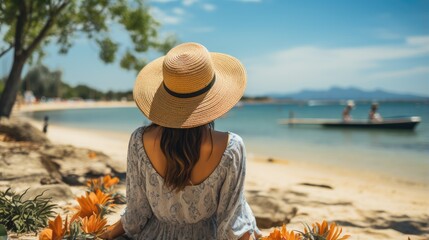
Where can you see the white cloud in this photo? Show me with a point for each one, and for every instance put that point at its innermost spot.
(189, 2)
(401, 73)
(419, 41)
(178, 11)
(165, 18)
(209, 7)
(301, 67)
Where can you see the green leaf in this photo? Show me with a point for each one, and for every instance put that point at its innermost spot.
(3, 231)
(24, 216)
(107, 50)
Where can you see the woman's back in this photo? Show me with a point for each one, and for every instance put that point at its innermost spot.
(212, 208)
(212, 147)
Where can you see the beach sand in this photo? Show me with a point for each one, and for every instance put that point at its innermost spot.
(366, 205)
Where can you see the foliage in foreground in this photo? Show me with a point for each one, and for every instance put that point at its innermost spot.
(3, 232)
(89, 220)
(22, 216)
(319, 231)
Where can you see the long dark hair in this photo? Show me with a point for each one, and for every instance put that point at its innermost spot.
(181, 147)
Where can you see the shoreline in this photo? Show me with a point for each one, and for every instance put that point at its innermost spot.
(53, 106)
(365, 204)
(366, 151)
(119, 137)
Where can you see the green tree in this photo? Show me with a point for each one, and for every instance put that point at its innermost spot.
(30, 25)
(86, 92)
(42, 82)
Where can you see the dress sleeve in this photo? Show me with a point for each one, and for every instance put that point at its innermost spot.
(138, 210)
(234, 216)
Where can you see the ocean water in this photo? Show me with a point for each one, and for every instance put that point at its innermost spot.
(400, 154)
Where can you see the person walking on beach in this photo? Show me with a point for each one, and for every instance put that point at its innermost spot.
(185, 180)
(45, 124)
(346, 112)
(374, 116)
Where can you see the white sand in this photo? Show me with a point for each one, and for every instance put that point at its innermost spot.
(369, 206)
(51, 106)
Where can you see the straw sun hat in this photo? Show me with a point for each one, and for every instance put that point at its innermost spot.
(189, 86)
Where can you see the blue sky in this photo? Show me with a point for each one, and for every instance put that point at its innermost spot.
(285, 45)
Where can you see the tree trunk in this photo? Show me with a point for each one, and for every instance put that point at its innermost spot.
(10, 91)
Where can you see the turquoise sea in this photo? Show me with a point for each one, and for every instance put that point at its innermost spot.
(400, 154)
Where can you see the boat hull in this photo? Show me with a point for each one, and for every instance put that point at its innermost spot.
(400, 125)
(406, 123)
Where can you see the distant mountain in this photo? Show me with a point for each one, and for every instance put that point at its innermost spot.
(337, 93)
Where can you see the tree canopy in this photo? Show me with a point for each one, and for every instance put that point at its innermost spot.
(28, 26)
(63, 21)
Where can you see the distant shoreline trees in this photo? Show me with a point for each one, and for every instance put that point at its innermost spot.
(47, 84)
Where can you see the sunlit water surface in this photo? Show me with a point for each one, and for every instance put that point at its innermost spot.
(403, 154)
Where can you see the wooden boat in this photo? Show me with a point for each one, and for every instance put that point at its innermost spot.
(408, 123)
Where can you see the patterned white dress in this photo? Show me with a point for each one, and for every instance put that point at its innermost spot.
(213, 209)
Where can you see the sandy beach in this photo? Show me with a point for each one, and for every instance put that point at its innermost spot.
(367, 206)
(51, 106)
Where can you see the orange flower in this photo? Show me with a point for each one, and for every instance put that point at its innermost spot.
(103, 199)
(91, 203)
(329, 231)
(109, 181)
(94, 224)
(55, 230)
(103, 183)
(334, 233)
(45, 234)
(282, 234)
(320, 229)
(94, 184)
(274, 235)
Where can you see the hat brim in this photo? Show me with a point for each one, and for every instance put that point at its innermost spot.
(169, 111)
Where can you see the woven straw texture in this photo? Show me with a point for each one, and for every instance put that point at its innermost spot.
(185, 69)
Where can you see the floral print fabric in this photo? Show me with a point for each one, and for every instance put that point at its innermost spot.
(213, 209)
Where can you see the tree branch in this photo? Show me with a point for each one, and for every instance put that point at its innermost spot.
(30, 21)
(45, 29)
(6, 50)
(19, 29)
